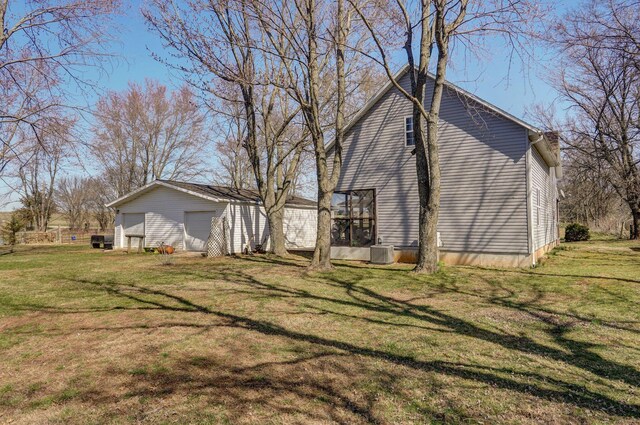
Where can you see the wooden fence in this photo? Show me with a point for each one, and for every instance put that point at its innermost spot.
(60, 236)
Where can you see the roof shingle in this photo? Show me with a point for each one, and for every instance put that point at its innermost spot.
(243, 195)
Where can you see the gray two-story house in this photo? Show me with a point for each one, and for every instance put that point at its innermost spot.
(499, 202)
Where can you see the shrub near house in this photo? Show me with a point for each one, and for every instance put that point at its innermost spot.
(576, 232)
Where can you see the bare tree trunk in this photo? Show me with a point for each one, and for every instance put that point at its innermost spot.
(429, 186)
(635, 230)
(429, 174)
(276, 231)
(327, 179)
(322, 253)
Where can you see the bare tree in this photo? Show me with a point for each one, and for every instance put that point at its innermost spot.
(611, 24)
(430, 29)
(589, 198)
(48, 153)
(310, 39)
(599, 78)
(72, 198)
(234, 169)
(22, 115)
(146, 133)
(44, 48)
(222, 41)
(100, 194)
(83, 199)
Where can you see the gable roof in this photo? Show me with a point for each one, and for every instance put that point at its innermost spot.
(534, 133)
(210, 192)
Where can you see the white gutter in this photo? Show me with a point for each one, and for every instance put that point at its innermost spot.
(537, 138)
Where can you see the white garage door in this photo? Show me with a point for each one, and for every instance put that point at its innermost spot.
(197, 225)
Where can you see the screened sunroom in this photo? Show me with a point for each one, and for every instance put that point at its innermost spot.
(353, 218)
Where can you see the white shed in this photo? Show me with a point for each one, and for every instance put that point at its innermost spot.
(180, 213)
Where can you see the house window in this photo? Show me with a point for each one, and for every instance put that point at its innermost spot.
(353, 218)
(408, 131)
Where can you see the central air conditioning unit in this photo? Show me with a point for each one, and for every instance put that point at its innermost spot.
(382, 254)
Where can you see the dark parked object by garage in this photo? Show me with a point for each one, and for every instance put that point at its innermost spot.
(97, 241)
(102, 241)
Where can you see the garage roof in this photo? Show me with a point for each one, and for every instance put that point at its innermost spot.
(211, 192)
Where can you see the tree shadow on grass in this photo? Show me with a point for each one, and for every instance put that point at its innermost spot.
(283, 387)
(516, 271)
(360, 297)
(578, 354)
(538, 273)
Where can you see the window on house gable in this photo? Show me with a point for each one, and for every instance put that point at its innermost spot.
(408, 131)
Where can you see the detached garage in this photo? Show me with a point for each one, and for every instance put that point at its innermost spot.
(180, 214)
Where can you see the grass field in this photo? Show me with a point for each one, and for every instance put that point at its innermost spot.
(93, 337)
(56, 219)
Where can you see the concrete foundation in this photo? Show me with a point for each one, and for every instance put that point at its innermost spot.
(545, 249)
(409, 255)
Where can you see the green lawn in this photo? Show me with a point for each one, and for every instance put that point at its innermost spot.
(93, 337)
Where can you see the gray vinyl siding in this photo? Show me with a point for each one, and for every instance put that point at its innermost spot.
(483, 200)
(543, 179)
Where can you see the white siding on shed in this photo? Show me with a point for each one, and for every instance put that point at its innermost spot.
(164, 210)
(247, 225)
(117, 237)
(300, 227)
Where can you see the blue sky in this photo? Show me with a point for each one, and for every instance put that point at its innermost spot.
(513, 91)
(133, 50)
(490, 79)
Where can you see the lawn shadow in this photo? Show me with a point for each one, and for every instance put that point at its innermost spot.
(579, 352)
(358, 296)
(282, 387)
(538, 273)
